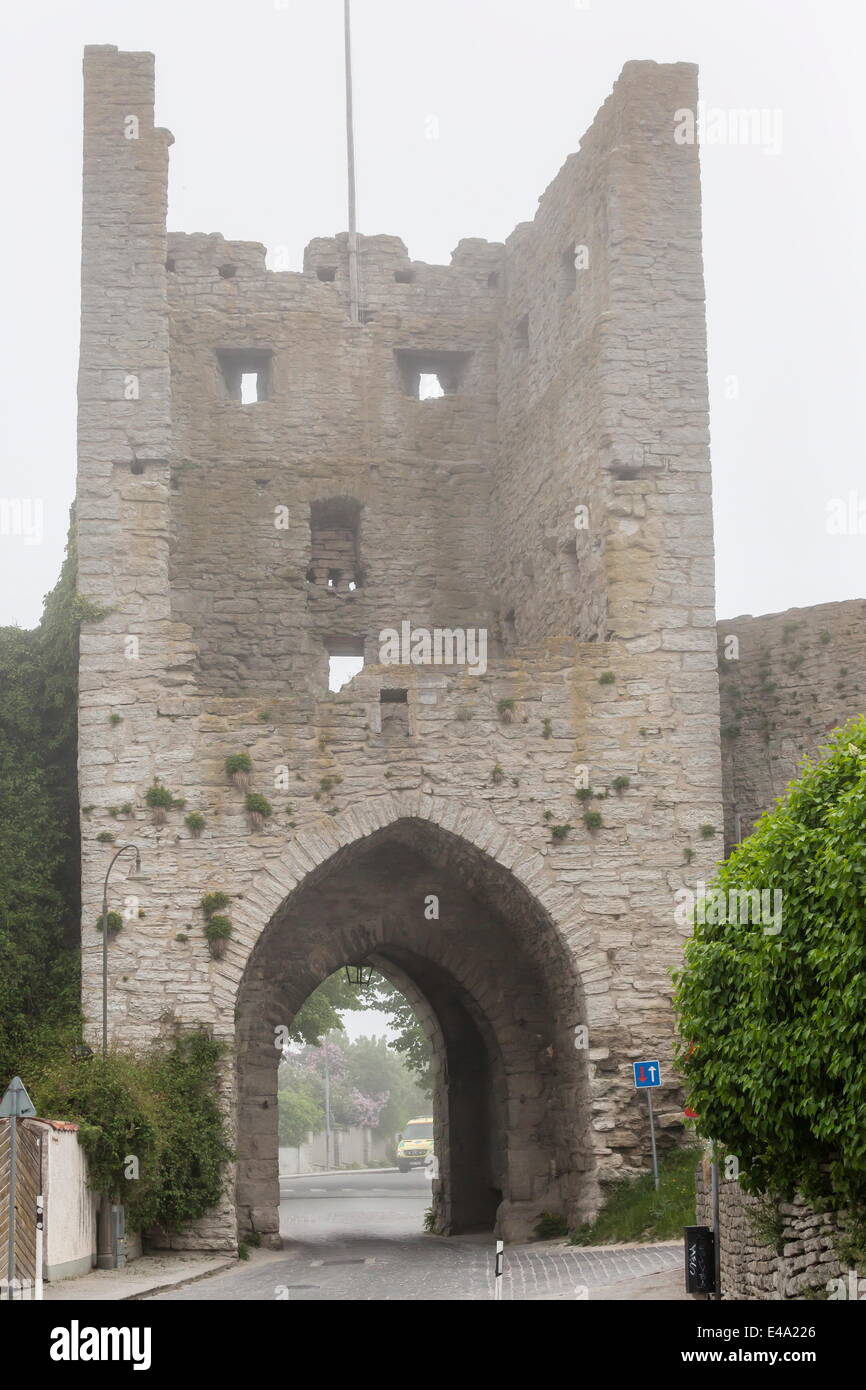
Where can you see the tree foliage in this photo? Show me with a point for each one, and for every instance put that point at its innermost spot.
(774, 1049)
(39, 839)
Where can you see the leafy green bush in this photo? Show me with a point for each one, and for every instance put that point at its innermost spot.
(160, 1107)
(258, 805)
(775, 1048)
(159, 796)
(238, 762)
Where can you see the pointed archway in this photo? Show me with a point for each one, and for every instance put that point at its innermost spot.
(495, 986)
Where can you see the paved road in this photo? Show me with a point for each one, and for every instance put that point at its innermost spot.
(359, 1237)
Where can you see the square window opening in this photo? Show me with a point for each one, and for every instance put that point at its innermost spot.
(393, 697)
(246, 374)
(326, 272)
(431, 375)
(404, 277)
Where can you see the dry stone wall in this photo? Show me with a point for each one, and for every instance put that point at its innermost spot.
(777, 1250)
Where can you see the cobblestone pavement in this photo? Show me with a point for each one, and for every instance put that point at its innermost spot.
(429, 1268)
(356, 1236)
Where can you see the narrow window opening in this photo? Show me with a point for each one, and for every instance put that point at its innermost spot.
(366, 316)
(136, 467)
(493, 280)
(249, 388)
(404, 277)
(326, 272)
(521, 334)
(429, 386)
(334, 577)
(228, 272)
(171, 263)
(568, 271)
(394, 713)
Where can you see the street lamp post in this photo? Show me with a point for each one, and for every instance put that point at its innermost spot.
(122, 850)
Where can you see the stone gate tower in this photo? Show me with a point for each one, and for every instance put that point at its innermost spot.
(496, 811)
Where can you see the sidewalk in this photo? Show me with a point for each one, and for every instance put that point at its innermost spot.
(148, 1274)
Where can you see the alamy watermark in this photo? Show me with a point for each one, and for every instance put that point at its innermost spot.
(736, 906)
(729, 125)
(24, 517)
(437, 646)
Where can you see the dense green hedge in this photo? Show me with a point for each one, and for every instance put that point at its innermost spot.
(774, 1024)
(160, 1109)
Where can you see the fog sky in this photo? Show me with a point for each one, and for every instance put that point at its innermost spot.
(252, 90)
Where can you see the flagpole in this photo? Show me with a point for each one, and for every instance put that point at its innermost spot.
(354, 283)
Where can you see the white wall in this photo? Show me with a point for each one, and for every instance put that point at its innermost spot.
(348, 1146)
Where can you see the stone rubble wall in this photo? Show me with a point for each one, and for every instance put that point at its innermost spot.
(801, 1262)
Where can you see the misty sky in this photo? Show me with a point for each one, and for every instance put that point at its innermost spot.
(252, 90)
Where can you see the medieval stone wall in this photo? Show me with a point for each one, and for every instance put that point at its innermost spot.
(787, 683)
(561, 390)
(776, 1250)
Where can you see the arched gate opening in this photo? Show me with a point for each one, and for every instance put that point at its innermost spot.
(497, 993)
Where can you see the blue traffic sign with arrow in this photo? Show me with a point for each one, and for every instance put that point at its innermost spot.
(647, 1074)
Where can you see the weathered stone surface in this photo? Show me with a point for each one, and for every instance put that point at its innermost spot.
(238, 546)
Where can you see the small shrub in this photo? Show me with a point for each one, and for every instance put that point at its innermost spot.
(707, 832)
(505, 710)
(105, 837)
(606, 678)
(592, 820)
(160, 801)
(826, 637)
(214, 902)
(258, 809)
(496, 774)
(621, 784)
(547, 728)
(195, 823)
(218, 930)
(559, 832)
(688, 854)
(584, 793)
(115, 922)
(115, 719)
(550, 1225)
(239, 768)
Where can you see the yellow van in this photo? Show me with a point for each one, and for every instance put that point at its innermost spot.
(415, 1144)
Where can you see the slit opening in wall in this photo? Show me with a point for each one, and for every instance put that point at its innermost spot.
(568, 271)
(521, 334)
